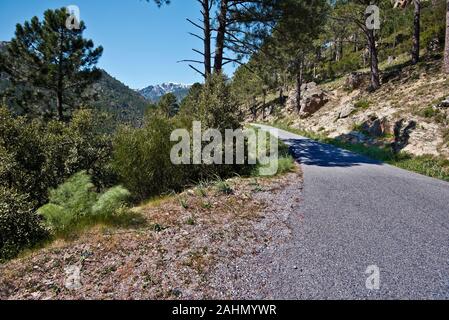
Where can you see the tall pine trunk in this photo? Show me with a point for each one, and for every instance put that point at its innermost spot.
(299, 82)
(446, 49)
(374, 62)
(59, 105)
(221, 33)
(207, 38)
(416, 31)
(59, 91)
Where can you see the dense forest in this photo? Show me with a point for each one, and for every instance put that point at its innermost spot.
(77, 147)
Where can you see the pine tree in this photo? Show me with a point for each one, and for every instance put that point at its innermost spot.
(56, 61)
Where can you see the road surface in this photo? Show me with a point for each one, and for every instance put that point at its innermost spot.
(357, 213)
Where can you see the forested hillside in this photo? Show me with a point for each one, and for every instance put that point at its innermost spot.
(106, 94)
(387, 95)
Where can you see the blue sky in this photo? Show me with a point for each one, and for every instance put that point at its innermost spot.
(142, 43)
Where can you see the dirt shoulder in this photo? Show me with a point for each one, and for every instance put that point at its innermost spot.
(188, 248)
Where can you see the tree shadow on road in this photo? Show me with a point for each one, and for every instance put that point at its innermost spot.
(309, 152)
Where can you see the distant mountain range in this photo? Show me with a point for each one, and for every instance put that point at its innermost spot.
(155, 92)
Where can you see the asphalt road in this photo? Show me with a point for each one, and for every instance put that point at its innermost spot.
(356, 213)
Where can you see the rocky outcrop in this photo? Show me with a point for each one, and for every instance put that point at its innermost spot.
(375, 126)
(443, 104)
(347, 110)
(402, 131)
(313, 98)
(354, 80)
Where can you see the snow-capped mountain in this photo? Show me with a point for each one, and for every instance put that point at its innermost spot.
(154, 93)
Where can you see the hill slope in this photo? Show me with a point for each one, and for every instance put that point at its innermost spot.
(410, 109)
(123, 103)
(109, 94)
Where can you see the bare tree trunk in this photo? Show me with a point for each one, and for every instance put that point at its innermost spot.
(281, 95)
(446, 49)
(221, 32)
(59, 105)
(339, 50)
(264, 102)
(416, 31)
(59, 91)
(299, 81)
(374, 63)
(207, 37)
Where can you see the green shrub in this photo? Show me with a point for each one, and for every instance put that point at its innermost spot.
(141, 159)
(362, 104)
(69, 203)
(76, 202)
(111, 201)
(286, 164)
(37, 156)
(20, 227)
(141, 156)
(217, 106)
(223, 187)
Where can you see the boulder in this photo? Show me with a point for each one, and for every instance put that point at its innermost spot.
(347, 110)
(402, 131)
(443, 104)
(375, 127)
(353, 137)
(313, 98)
(354, 80)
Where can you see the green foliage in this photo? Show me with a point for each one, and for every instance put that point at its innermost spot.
(122, 103)
(52, 64)
(362, 104)
(189, 105)
(217, 107)
(183, 203)
(20, 227)
(141, 159)
(286, 164)
(166, 107)
(191, 221)
(37, 156)
(76, 201)
(111, 201)
(429, 112)
(223, 187)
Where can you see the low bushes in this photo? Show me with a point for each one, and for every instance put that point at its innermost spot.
(37, 156)
(20, 227)
(141, 159)
(76, 202)
(141, 156)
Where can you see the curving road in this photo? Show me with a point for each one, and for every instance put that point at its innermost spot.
(355, 213)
